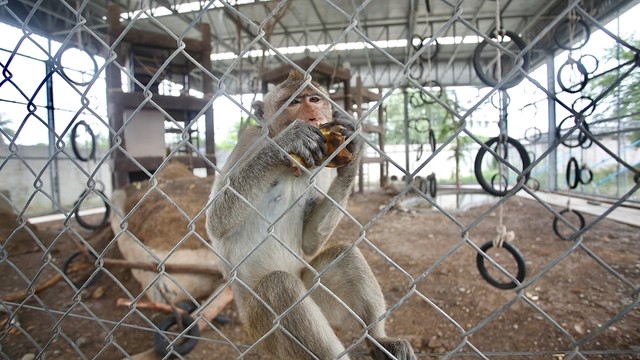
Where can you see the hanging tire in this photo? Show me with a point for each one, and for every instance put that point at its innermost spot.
(556, 219)
(432, 140)
(560, 31)
(431, 83)
(572, 169)
(486, 185)
(420, 43)
(74, 143)
(486, 78)
(63, 73)
(522, 270)
(433, 185)
(582, 138)
(573, 88)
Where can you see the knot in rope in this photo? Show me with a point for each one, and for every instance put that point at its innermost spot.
(503, 236)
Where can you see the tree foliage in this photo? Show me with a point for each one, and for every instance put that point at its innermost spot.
(421, 118)
(626, 94)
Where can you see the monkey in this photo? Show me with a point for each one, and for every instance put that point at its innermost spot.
(269, 226)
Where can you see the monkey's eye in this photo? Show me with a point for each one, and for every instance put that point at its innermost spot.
(315, 98)
(295, 101)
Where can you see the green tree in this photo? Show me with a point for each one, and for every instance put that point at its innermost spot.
(232, 139)
(627, 92)
(421, 118)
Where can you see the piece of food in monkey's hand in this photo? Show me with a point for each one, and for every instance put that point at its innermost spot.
(333, 138)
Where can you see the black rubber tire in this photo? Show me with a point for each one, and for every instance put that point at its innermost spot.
(522, 269)
(596, 63)
(424, 56)
(573, 88)
(588, 110)
(532, 134)
(477, 63)
(582, 138)
(556, 219)
(558, 32)
(90, 281)
(585, 180)
(74, 144)
(572, 165)
(419, 152)
(160, 343)
(506, 99)
(433, 185)
(423, 186)
(431, 83)
(105, 217)
(524, 157)
(415, 100)
(416, 70)
(187, 306)
(432, 140)
(420, 129)
(61, 71)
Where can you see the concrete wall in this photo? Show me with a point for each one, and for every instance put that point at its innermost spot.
(26, 178)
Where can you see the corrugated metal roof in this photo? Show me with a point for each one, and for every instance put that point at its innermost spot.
(357, 26)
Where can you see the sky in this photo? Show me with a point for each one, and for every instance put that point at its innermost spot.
(528, 104)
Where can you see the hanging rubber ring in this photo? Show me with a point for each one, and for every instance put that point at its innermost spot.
(564, 28)
(524, 158)
(490, 81)
(516, 255)
(573, 88)
(432, 140)
(556, 219)
(433, 185)
(582, 138)
(572, 173)
(74, 143)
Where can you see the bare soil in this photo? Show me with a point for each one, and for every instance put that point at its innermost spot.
(425, 264)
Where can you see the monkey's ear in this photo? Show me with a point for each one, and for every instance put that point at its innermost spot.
(258, 109)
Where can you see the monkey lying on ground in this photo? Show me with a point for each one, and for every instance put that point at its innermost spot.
(265, 218)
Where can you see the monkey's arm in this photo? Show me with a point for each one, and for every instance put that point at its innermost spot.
(322, 218)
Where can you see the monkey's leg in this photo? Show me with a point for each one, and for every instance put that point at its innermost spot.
(305, 321)
(351, 279)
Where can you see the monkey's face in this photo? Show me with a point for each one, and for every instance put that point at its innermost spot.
(309, 106)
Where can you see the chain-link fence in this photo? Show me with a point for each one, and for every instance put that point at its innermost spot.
(488, 238)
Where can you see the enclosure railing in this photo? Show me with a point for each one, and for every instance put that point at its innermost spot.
(75, 319)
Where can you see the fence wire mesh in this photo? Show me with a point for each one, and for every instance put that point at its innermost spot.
(114, 283)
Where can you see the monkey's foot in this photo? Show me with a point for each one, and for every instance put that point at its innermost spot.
(401, 349)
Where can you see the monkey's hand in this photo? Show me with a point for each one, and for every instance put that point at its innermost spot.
(354, 147)
(304, 142)
(334, 137)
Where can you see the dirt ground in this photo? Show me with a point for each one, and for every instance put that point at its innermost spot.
(424, 265)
